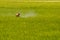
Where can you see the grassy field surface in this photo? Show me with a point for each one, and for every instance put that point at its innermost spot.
(26, 0)
(45, 25)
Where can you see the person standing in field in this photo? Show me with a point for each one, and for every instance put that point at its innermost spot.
(17, 14)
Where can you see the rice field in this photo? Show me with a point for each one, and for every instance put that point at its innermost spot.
(38, 21)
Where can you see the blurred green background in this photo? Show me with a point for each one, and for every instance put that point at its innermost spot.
(44, 26)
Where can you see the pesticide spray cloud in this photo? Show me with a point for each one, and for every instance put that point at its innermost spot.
(29, 14)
